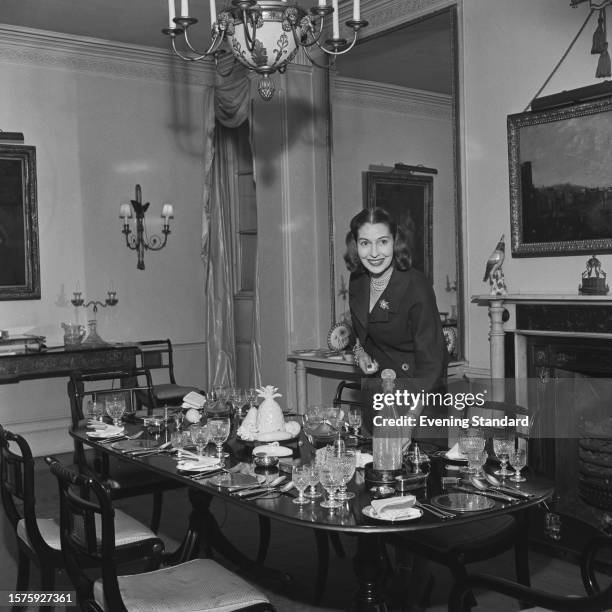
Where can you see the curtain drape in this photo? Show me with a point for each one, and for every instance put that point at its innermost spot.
(228, 103)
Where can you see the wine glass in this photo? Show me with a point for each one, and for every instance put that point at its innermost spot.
(178, 416)
(94, 409)
(518, 460)
(115, 407)
(354, 419)
(237, 399)
(471, 444)
(300, 476)
(503, 447)
(200, 436)
(219, 430)
(313, 480)
(348, 465)
(251, 397)
(330, 477)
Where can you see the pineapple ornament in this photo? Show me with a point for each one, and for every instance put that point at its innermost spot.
(269, 414)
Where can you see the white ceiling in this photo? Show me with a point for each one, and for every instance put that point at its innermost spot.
(416, 56)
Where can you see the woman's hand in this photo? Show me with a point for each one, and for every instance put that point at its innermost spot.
(367, 364)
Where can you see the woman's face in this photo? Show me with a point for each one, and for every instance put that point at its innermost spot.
(375, 247)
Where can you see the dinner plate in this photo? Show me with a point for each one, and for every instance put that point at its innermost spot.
(306, 352)
(273, 450)
(132, 445)
(204, 464)
(463, 502)
(414, 513)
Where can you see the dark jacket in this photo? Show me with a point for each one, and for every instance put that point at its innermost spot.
(403, 331)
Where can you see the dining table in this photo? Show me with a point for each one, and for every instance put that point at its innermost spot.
(354, 517)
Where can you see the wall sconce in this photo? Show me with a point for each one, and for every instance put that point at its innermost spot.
(140, 242)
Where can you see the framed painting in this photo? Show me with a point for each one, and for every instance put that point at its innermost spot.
(560, 162)
(19, 256)
(409, 200)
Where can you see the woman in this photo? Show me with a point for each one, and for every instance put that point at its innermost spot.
(393, 306)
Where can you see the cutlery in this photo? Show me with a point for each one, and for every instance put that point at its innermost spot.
(496, 496)
(441, 514)
(120, 437)
(506, 490)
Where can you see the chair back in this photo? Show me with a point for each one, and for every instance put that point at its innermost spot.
(157, 355)
(340, 398)
(17, 487)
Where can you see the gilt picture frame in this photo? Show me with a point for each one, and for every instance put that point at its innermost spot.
(19, 254)
(560, 168)
(409, 200)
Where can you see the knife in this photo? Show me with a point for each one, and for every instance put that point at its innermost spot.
(515, 492)
(497, 496)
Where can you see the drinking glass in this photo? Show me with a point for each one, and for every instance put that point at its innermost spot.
(313, 480)
(178, 439)
(153, 425)
(300, 476)
(354, 419)
(219, 430)
(115, 407)
(200, 436)
(348, 465)
(518, 460)
(330, 476)
(94, 410)
(251, 396)
(178, 416)
(503, 447)
(238, 400)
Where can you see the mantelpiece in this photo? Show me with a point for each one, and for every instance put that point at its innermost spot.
(599, 327)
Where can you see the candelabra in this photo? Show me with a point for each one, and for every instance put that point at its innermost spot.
(93, 339)
(264, 35)
(141, 242)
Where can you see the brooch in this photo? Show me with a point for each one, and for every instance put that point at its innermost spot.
(384, 305)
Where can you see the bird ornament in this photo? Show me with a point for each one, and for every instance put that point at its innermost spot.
(493, 272)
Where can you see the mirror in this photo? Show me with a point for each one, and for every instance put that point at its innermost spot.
(394, 107)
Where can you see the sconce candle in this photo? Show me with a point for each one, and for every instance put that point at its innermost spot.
(171, 14)
(184, 8)
(125, 212)
(139, 241)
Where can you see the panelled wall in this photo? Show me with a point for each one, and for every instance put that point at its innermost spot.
(103, 118)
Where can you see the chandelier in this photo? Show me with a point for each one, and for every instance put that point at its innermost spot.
(264, 35)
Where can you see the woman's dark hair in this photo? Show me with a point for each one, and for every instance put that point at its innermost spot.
(402, 246)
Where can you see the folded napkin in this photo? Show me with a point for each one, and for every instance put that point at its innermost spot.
(110, 431)
(454, 453)
(202, 464)
(361, 459)
(194, 400)
(394, 508)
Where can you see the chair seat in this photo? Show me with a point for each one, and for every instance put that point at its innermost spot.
(470, 538)
(166, 394)
(127, 530)
(198, 586)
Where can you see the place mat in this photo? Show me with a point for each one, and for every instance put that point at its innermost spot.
(132, 445)
(463, 502)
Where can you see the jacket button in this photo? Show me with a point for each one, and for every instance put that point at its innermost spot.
(405, 367)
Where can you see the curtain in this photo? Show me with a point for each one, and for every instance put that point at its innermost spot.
(229, 104)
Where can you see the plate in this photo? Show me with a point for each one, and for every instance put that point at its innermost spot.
(463, 502)
(258, 442)
(306, 352)
(339, 336)
(204, 464)
(131, 445)
(273, 450)
(415, 513)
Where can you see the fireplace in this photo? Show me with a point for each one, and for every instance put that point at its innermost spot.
(561, 341)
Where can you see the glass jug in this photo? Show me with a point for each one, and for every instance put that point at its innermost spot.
(73, 334)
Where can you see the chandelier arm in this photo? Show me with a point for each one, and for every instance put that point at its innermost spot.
(130, 239)
(184, 57)
(314, 61)
(345, 50)
(150, 245)
(315, 36)
(250, 40)
(214, 45)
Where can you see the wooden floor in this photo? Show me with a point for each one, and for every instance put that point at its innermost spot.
(292, 550)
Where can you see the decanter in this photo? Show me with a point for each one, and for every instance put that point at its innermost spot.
(93, 339)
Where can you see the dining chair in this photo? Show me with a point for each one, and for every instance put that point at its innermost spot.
(596, 599)
(38, 538)
(158, 355)
(87, 535)
(124, 479)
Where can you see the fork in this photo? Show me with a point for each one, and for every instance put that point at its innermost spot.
(122, 437)
(441, 514)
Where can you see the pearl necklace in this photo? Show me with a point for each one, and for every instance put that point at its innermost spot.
(379, 284)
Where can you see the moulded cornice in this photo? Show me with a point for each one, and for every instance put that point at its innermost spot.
(55, 50)
(383, 14)
(369, 94)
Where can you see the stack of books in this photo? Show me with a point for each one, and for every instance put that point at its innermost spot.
(22, 343)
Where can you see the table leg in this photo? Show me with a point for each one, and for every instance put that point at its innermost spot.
(370, 569)
(300, 382)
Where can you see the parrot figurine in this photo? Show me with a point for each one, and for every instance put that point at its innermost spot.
(496, 259)
(493, 272)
